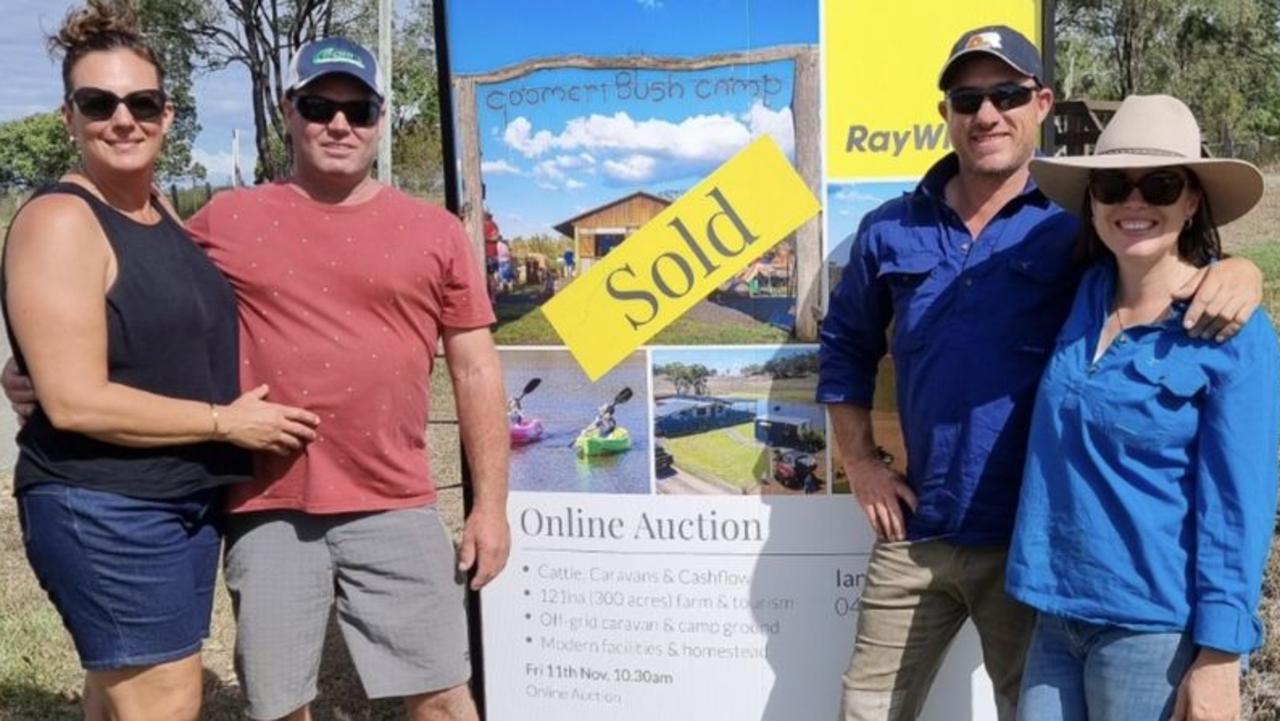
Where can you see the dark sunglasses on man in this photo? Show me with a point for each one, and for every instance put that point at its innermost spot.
(1005, 96)
(99, 104)
(1159, 187)
(319, 109)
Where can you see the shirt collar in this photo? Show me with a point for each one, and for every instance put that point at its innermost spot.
(934, 182)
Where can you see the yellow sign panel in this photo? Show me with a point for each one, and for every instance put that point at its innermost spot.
(688, 250)
(881, 76)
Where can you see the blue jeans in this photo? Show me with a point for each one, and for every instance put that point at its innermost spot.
(132, 578)
(1079, 671)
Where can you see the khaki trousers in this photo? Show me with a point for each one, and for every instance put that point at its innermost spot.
(918, 595)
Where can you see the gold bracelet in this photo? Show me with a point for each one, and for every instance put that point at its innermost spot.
(213, 411)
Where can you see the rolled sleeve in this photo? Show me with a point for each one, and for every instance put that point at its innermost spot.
(852, 338)
(1235, 499)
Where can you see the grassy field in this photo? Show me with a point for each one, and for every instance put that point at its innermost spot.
(729, 455)
(533, 328)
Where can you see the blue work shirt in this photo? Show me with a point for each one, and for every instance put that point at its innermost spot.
(1149, 497)
(973, 324)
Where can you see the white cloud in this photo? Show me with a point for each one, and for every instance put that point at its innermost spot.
(498, 167)
(633, 168)
(852, 194)
(649, 4)
(572, 184)
(629, 150)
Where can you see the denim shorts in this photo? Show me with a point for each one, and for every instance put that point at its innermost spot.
(132, 578)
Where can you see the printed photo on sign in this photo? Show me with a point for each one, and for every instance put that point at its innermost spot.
(571, 435)
(567, 147)
(738, 421)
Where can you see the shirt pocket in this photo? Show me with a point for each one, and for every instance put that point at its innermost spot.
(906, 275)
(1158, 405)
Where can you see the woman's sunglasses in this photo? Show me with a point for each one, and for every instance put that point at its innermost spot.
(1161, 187)
(1005, 96)
(99, 104)
(318, 109)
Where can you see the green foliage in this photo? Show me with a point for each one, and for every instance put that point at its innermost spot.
(688, 379)
(34, 150)
(552, 246)
(160, 20)
(792, 366)
(417, 155)
(1219, 56)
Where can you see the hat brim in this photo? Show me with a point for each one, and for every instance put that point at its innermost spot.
(1232, 186)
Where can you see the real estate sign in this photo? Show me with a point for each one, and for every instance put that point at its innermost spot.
(684, 544)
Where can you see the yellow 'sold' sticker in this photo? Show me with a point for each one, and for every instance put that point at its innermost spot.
(689, 249)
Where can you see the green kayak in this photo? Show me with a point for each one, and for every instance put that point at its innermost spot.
(590, 443)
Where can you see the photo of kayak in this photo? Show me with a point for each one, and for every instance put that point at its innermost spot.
(571, 435)
(591, 443)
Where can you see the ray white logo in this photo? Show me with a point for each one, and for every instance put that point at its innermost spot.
(921, 137)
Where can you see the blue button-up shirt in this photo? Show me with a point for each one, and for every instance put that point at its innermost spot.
(1150, 490)
(973, 323)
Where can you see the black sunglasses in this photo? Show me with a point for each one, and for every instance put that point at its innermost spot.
(1161, 187)
(318, 109)
(1005, 96)
(99, 104)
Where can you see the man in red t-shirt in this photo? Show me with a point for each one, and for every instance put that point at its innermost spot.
(345, 286)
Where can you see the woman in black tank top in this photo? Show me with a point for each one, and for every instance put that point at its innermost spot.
(129, 335)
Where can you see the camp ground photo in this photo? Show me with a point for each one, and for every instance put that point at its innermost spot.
(562, 157)
(738, 421)
(571, 435)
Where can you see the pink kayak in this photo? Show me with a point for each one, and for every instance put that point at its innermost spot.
(527, 432)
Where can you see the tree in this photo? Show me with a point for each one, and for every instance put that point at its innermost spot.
(417, 154)
(159, 20)
(1219, 56)
(34, 150)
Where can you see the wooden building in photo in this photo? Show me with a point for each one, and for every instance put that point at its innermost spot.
(601, 229)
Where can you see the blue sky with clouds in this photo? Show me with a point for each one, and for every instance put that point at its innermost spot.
(558, 142)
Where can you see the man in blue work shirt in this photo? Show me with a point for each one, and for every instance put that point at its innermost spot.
(975, 268)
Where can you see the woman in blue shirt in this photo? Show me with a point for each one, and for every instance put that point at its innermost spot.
(1149, 495)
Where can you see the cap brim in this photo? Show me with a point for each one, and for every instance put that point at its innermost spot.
(970, 52)
(1232, 186)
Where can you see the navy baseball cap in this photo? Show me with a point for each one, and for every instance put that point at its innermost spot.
(328, 56)
(1001, 42)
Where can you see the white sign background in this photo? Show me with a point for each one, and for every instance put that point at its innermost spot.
(633, 628)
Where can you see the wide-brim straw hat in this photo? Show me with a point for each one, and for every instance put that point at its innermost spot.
(1152, 131)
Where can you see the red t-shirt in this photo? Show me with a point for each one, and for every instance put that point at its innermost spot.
(340, 308)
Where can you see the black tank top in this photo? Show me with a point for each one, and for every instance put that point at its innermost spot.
(171, 330)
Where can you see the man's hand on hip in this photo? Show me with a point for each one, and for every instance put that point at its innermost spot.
(881, 491)
(486, 541)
